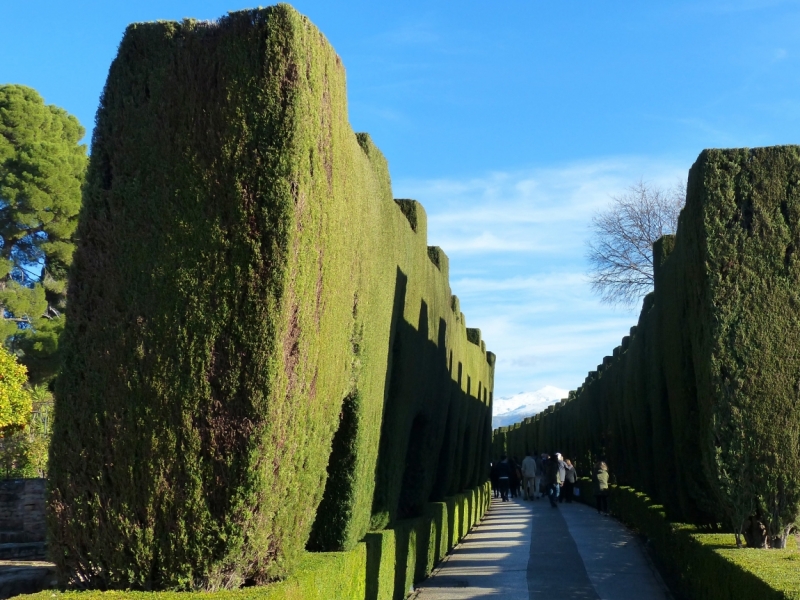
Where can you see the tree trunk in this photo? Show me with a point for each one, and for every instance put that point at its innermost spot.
(755, 533)
(779, 541)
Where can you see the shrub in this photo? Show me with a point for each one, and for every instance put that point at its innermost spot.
(23, 451)
(254, 327)
(15, 400)
(706, 566)
(380, 568)
(700, 405)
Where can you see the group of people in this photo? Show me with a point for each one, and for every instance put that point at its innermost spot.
(540, 475)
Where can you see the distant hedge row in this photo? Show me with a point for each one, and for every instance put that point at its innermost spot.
(700, 406)
(262, 353)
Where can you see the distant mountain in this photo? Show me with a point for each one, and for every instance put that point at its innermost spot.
(525, 404)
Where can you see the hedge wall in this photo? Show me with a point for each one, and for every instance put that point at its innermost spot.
(261, 351)
(700, 406)
(384, 567)
(701, 564)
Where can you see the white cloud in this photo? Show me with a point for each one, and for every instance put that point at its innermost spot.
(488, 242)
(516, 242)
(467, 285)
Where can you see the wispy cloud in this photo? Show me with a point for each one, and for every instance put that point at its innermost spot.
(516, 242)
(468, 285)
(488, 242)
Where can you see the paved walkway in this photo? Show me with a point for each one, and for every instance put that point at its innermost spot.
(530, 551)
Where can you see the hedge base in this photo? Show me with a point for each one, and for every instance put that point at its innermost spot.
(706, 566)
(382, 567)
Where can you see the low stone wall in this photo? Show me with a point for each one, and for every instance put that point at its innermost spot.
(22, 510)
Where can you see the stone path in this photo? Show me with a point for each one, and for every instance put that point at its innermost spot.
(530, 551)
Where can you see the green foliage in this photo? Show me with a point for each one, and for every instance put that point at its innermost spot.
(318, 576)
(748, 385)
(38, 431)
(15, 400)
(705, 566)
(24, 450)
(253, 327)
(382, 567)
(700, 405)
(416, 548)
(42, 168)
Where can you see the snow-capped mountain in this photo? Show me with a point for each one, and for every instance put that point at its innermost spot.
(525, 404)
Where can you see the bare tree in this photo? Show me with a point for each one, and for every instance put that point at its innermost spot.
(620, 251)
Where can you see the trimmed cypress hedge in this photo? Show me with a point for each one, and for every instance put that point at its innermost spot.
(700, 406)
(261, 352)
(706, 566)
(383, 567)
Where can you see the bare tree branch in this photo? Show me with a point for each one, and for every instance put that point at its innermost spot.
(620, 251)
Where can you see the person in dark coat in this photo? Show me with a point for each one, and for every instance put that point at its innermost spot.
(495, 481)
(556, 469)
(541, 481)
(504, 477)
(537, 486)
(570, 479)
(516, 477)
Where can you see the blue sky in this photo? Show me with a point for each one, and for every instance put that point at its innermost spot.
(512, 123)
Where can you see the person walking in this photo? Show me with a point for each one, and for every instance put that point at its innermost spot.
(504, 477)
(555, 475)
(516, 477)
(529, 477)
(601, 487)
(537, 485)
(570, 479)
(495, 481)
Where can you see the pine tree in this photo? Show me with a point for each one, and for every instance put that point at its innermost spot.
(42, 167)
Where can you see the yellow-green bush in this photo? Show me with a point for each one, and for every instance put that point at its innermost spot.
(15, 400)
(261, 350)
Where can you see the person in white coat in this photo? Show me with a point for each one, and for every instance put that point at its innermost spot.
(529, 473)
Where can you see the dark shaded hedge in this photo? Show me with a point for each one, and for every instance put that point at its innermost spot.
(700, 406)
(252, 321)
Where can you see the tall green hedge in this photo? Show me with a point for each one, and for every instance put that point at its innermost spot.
(700, 406)
(384, 566)
(253, 320)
